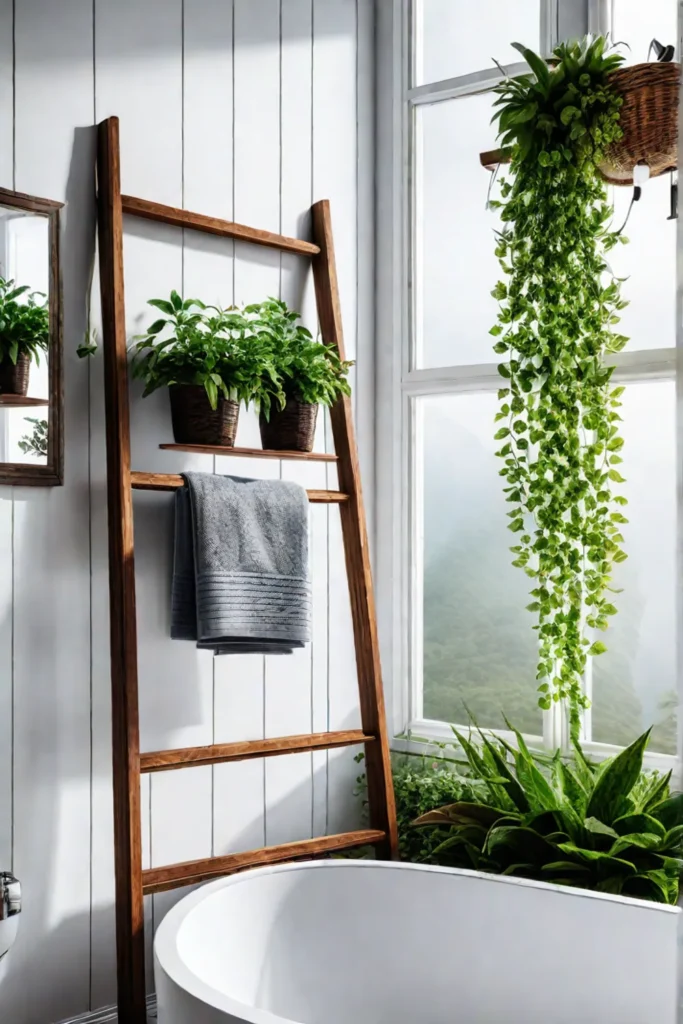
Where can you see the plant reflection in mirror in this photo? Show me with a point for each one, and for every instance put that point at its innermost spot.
(35, 443)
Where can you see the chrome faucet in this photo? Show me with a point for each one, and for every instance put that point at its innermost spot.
(10, 908)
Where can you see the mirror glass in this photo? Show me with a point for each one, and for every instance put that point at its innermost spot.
(30, 341)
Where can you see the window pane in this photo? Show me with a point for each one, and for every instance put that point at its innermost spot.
(648, 263)
(455, 264)
(637, 23)
(634, 683)
(456, 37)
(479, 647)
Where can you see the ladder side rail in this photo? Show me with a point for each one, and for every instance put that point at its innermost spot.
(123, 632)
(356, 549)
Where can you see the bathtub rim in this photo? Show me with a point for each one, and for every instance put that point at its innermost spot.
(167, 958)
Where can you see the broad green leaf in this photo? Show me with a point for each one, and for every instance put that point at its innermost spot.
(536, 63)
(516, 841)
(617, 780)
(538, 790)
(566, 865)
(643, 840)
(630, 823)
(658, 792)
(163, 305)
(460, 813)
(593, 825)
(669, 812)
(606, 860)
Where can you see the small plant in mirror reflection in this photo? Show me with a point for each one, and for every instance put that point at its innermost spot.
(35, 443)
(24, 322)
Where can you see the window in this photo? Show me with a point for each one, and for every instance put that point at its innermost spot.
(471, 642)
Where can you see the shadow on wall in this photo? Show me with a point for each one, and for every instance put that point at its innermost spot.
(146, 40)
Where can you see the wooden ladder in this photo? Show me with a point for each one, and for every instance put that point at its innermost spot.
(132, 883)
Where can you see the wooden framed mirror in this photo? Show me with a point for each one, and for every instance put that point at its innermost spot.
(31, 343)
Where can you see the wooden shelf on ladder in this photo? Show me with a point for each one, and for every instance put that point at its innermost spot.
(132, 883)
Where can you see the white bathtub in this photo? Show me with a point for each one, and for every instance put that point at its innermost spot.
(363, 942)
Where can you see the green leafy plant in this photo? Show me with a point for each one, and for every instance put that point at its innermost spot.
(423, 783)
(25, 325)
(35, 443)
(310, 372)
(610, 827)
(559, 305)
(219, 349)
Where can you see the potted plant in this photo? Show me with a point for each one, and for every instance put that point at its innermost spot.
(24, 333)
(189, 352)
(559, 420)
(311, 374)
(613, 827)
(648, 117)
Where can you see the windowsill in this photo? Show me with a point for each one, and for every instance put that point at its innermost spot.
(424, 736)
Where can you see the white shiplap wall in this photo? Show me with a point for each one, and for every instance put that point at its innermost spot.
(249, 109)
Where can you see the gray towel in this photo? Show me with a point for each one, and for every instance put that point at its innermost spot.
(240, 566)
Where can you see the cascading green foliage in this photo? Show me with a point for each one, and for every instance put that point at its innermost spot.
(559, 307)
(610, 827)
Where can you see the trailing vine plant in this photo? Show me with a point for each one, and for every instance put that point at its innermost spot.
(559, 307)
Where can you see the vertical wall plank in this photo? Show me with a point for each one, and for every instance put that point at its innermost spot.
(240, 680)
(289, 793)
(334, 178)
(364, 402)
(48, 974)
(207, 264)
(6, 566)
(140, 78)
(6, 93)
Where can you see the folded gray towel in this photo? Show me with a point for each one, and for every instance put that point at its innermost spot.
(240, 567)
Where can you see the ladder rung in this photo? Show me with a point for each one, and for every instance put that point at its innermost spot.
(214, 226)
(249, 453)
(171, 482)
(173, 876)
(219, 753)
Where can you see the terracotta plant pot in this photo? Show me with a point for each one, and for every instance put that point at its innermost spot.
(648, 119)
(291, 429)
(195, 422)
(14, 379)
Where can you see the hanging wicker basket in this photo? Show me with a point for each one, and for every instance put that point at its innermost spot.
(14, 378)
(648, 118)
(649, 121)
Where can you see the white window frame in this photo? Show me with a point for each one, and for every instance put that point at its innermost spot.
(400, 384)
